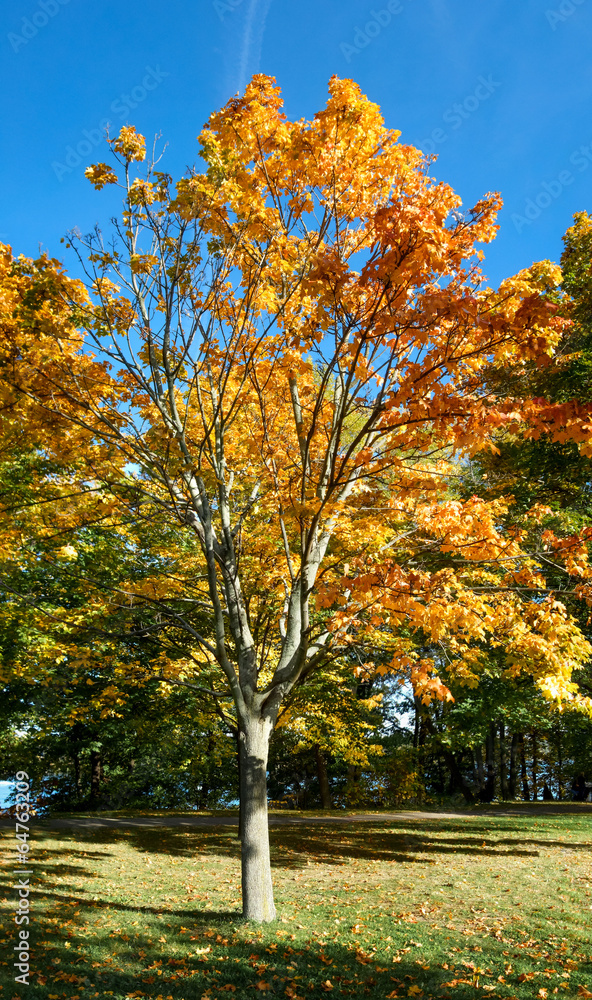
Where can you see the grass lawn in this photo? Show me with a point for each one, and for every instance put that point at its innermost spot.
(474, 906)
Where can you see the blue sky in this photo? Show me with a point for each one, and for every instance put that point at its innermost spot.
(500, 90)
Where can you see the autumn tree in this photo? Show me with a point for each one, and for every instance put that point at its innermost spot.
(276, 359)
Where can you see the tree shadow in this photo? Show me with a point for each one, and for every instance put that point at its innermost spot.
(218, 957)
(416, 842)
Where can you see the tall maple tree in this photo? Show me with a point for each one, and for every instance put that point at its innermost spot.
(277, 359)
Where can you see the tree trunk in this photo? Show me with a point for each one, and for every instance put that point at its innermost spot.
(323, 778)
(489, 793)
(96, 770)
(457, 778)
(77, 776)
(559, 766)
(523, 771)
(203, 795)
(513, 783)
(305, 789)
(353, 777)
(236, 734)
(441, 781)
(417, 722)
(480, 774)
(503, 762)
(256, 869)
(535, 764)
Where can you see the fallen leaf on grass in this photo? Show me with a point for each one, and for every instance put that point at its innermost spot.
(583, 991)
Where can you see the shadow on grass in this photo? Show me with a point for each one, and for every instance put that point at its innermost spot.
(419, 842)
(215, 958)
(179, 951)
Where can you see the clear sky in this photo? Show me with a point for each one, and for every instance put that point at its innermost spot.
(500, 89)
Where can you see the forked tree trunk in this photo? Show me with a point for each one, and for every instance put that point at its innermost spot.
(457, 778)
(256, 869)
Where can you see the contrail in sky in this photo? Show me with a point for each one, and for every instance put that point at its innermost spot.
(252, 40)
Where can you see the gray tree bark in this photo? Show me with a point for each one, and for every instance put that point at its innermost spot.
(255, 859)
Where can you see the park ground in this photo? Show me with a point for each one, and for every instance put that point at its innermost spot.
(476, 904)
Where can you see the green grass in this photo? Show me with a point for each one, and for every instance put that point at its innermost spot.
(473, 906)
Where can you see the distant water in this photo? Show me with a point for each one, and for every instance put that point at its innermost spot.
(5, 789)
